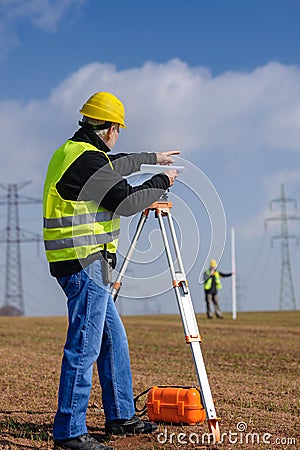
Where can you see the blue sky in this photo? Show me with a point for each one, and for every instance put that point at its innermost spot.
(43, 42)
(218, 80)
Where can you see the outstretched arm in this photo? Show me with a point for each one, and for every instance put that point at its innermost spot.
(224, 275)
(166, 158)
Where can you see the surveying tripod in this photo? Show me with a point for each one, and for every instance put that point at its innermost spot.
(162, 208)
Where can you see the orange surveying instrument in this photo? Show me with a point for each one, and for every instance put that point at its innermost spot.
(162, 208)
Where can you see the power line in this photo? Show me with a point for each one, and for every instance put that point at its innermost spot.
(13, 236)
(287, 299)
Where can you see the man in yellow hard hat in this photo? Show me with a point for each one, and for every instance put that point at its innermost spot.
(212, 284)
(85, 192)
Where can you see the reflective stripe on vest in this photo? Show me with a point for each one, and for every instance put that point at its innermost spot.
(75, 229)
(208, 282)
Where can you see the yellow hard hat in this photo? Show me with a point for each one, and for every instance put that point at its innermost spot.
(104, 106)
(213, 263)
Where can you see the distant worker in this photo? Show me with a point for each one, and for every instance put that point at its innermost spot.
(212, 284)
(85, 194)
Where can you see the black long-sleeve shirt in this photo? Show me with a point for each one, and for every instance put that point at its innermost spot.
(91, 177)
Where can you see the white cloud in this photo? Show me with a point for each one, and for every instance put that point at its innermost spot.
(168, 105)
(45, 14)
(174, 104)
(246, 120)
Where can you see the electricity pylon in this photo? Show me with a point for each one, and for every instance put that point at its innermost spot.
(13, 236)
(287, 299)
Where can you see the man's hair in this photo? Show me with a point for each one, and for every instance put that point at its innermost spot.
(101, 133)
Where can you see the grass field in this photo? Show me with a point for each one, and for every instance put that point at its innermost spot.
(252, 365)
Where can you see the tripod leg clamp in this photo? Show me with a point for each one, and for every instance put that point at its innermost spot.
(195, 338)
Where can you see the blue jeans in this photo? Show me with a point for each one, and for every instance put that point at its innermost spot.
(95, 335)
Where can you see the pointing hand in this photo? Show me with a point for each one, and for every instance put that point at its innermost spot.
(166, 158)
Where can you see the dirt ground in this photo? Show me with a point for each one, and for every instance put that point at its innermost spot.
(252, 365)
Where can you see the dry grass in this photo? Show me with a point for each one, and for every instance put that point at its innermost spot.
(252, 366)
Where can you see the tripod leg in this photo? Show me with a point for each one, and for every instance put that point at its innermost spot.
(192, 334)
(117, 284)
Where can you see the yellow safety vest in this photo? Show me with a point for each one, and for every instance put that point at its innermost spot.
(208, 282)
(75, 229)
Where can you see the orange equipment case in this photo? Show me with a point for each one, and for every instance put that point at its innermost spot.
(176, 405)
